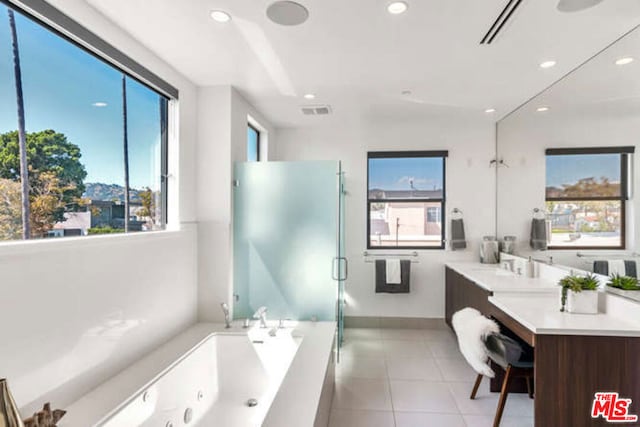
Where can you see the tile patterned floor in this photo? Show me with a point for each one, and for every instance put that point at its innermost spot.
(414, 378)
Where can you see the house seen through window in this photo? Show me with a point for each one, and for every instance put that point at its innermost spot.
(406, 197)
(94, 139)
(586, 194)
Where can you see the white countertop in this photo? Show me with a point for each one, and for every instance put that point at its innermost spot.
(296, 402)
(540, 313)
(494, 279)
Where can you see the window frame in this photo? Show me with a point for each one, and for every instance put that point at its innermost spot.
(258, 140)
(61, 25)
(164, 162)
(624, 153)
(49, 17)
(409, 154)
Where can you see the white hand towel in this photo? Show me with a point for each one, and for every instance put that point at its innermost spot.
(393, 272)
(616, 266)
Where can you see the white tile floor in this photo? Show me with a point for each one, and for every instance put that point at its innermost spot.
(414, 378)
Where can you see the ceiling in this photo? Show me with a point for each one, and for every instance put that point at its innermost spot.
(599, 89)
(358, 58)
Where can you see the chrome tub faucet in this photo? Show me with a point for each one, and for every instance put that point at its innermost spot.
(261, 314)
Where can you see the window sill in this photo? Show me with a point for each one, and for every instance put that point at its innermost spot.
(25, 247)
(586, 248)
(405, 248)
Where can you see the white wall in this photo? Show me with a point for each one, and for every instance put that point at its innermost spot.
(75, 312)
(222, 140)
(522, 140)
(470, 187)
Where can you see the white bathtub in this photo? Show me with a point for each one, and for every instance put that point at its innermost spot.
(212, 381)
(212, 384)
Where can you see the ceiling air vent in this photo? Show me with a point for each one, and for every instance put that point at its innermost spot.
(316, 110)
(499, 23)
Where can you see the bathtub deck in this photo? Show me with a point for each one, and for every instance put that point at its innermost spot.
(295, 403)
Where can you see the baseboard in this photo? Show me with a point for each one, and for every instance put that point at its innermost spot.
(394, 322)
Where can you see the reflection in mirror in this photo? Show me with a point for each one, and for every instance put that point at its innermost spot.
(585, 195)
(570, 152)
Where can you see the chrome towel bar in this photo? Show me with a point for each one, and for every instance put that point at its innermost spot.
(369, 255)
(606, 256)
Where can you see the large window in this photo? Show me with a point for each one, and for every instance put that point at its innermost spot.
(94, 138)
(586, 193)
(405, 202)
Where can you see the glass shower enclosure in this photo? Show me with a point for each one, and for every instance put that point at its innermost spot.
(288, 240)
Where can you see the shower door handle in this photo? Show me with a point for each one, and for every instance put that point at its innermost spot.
(336, 271)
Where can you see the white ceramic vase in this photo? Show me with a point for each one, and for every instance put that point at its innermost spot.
(584, 302)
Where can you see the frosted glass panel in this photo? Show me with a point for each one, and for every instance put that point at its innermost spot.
(285, 239)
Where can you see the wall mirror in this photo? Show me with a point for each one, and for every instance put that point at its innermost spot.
(569, 153)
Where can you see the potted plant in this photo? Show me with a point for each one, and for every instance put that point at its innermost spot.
(579, 294)
(626, 283)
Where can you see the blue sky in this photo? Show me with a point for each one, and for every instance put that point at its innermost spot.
(396, 173)
(252, 145)
(569, 169)
(61, 83)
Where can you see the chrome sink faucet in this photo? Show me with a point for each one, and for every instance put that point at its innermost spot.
(227, 317)
(509, 265)
(261, 314)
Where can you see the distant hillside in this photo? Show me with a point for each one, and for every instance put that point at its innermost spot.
(109, 192)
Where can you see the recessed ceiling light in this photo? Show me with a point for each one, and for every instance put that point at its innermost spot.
(576, 5)
(310, 96)
(542, 109)
(490, 110)
(547, 64)
(625, 60)
(220, 16)
(99, 104)
(397, 7)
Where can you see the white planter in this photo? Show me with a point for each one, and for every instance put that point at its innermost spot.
(585, 302)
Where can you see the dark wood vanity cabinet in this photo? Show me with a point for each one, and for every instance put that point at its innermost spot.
(461, 292)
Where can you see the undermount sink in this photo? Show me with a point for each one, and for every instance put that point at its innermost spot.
(494, 270)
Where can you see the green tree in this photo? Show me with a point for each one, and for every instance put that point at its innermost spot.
(10, 210)
(147, 197)
(53, 160)
(47, 203)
